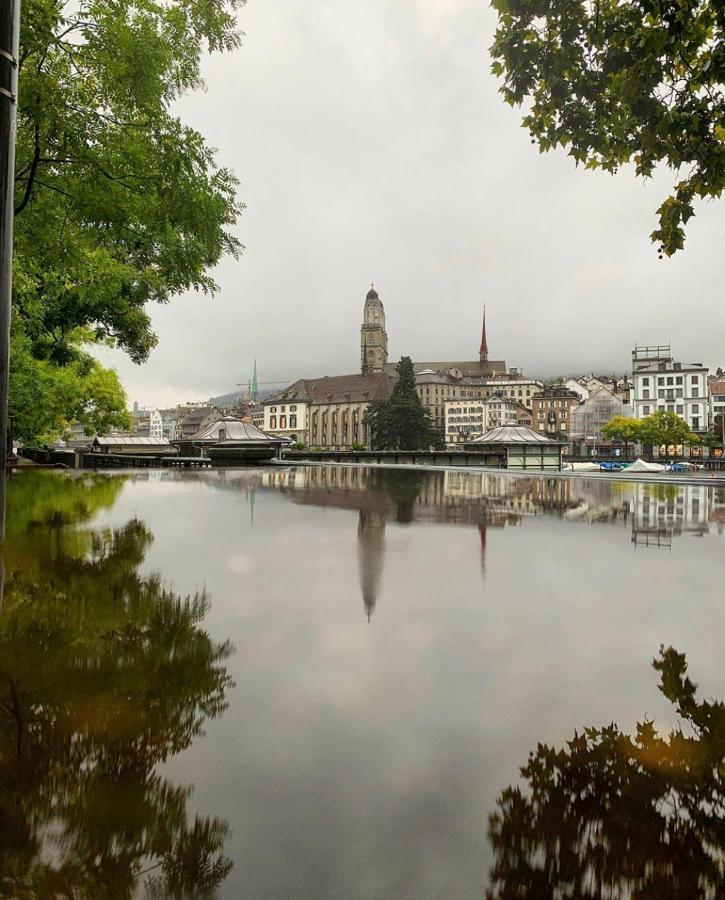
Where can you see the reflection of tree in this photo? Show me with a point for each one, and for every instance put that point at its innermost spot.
(402, 486)
(103, 676)
(618, 816)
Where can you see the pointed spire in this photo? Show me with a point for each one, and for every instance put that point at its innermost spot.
(483, 353)
(255, 386)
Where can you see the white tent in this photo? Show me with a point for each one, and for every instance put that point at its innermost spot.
(641, 466)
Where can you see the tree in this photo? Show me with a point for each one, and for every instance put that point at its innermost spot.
(616, 815)
(45, 398)
(624, 429)
(619, 82)
(118, 203)
(667, 429)
(105, 674)
(401, 422)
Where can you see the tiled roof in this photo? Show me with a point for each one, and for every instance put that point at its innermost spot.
(337, 389)
(717, 387)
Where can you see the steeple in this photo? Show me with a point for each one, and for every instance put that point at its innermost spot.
(373, 338)
(483, 352)
(255, 387)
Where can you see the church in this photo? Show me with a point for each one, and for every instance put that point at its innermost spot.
(374, 348)
(329, 412)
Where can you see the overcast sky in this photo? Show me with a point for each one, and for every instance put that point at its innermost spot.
(372, 145)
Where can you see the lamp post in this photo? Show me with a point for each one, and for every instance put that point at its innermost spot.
(9, 50)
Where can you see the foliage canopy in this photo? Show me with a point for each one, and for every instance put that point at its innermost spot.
(118, 202)
(616, 82)
(617, 815)
(104, 675)
(401, 422)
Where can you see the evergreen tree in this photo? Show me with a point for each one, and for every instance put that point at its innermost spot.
(402, 422)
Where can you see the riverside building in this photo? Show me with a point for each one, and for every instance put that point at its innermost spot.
(660, 383)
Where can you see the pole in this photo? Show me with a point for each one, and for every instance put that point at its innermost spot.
(9, 50)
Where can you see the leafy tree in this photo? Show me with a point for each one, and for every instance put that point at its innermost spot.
(616, 815)
(665, 428)
(624, 429)
(118, 203)
(402, 422)
(619, 82)
(104, 675)
(45, 398)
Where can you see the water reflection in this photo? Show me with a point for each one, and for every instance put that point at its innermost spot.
(612, 815)
(104, 675)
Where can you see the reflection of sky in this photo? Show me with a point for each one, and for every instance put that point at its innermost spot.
(361, 761)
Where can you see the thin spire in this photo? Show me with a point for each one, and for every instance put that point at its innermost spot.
(255, 386)
(483, 353)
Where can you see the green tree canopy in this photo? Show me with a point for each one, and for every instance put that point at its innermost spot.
(402, 422)
(104, 675)
(615, 82)
(622, 428)
(612, 815)
(118, 202)
(663, 427)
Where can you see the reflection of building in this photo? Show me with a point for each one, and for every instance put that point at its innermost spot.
(371, 551)
(661, 512)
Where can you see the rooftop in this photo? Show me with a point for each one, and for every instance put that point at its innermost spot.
(234, 429)
(512, 434)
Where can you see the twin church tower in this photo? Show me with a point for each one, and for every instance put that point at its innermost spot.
(374, 339)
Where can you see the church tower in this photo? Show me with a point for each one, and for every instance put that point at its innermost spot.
(373, 338)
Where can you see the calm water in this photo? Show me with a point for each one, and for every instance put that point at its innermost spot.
(324, 683)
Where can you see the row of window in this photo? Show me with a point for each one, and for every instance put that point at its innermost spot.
(282, 422)
(293, 408)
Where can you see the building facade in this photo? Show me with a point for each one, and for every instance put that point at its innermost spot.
(373, 337)
(435, 388)
(717, 407)
(551, 410)
(589, 417)
(660, 383)
(331, 409)
(287, 417)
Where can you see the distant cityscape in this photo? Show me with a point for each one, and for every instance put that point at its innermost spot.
(465, 398)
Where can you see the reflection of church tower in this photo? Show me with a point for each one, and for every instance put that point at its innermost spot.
(373, 338)
(370, 552)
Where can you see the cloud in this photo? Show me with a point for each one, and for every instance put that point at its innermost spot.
(372, 144)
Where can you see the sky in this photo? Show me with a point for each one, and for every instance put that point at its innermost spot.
(372, 146)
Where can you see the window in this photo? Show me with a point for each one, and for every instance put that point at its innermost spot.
(293, 409)
(292, 421)
(273, 421)
(273, 409)
(695, 409)
(678, 380)
(680, 409)
(645, 382)
(645, 394)
(660, 380)
(283, 421)
(660, 395)
(695, 423)
(670, 380)
(283, 409)
(645, 410)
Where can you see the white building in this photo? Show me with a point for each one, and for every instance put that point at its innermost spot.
(660, 383)
(581, 390)
(288, 418)
(469, 419)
